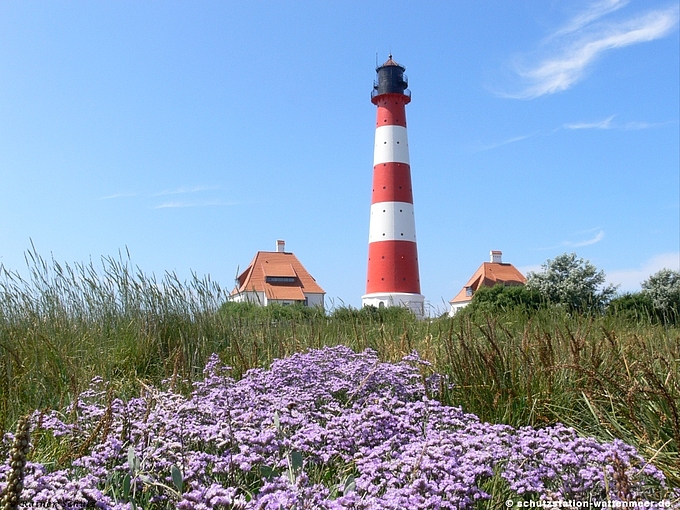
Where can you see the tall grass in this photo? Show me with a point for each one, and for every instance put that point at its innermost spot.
(607, 376)
(64, 324)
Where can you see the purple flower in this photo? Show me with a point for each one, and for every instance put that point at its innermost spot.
(326, 429)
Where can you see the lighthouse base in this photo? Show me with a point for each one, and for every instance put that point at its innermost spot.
(414, 302)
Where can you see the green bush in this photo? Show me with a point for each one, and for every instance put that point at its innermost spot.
(271, 312)
(373, 313)
(503, 298)
(633, 306)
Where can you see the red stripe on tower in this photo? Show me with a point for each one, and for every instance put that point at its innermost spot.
(393, 278)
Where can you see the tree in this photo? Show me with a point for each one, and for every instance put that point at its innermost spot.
(573, 282)
(663, 289)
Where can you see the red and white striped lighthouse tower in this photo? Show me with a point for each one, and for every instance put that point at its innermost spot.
(393, 278)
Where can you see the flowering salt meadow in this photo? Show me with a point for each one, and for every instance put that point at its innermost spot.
(326, 429)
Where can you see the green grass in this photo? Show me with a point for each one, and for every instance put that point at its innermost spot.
(607, 376)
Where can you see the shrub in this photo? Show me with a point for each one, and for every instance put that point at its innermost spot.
(502, 297)
(573, 282)
(271, 312)
(635, 306)
(372, 313)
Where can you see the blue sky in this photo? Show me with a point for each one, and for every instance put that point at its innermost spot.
(194, 134)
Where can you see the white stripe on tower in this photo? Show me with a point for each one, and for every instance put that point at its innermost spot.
(391, 145)
(392, 221)
(393, 278)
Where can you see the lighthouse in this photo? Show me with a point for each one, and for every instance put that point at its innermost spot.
(392, 277)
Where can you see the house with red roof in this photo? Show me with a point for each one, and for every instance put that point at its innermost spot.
(495, 272)
(277, 277)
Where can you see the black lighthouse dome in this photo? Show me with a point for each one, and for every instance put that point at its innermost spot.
(391, 79)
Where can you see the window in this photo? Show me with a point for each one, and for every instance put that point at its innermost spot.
(280, 279)
(468, 291)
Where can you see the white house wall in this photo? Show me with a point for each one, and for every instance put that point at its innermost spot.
(259, 298)
(314, 300)
(250, 297)
(456, 307)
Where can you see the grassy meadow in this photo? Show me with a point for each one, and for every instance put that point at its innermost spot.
(607, 376)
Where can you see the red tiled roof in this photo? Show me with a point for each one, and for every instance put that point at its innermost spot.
(282, 265)
(488, 275)
(284, 292)
(276, 268)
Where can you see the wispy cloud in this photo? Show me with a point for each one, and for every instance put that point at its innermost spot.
(593, 239)
(634, 126)
(194, 202)
(595, 11)
(572, 49)
(602, 124)
(193, 198)
(586, 242)
(605, 124)
(117, 195)
(609, 123)
(198, 203)
(185, 190)
(630, 279)
(504, 142)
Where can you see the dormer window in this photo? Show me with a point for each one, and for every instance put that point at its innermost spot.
(280, 279)
(469, 291)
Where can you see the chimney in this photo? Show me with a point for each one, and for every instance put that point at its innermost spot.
(496, 257)
(280, 246)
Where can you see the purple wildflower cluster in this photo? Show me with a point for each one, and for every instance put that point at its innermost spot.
(328, 429)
